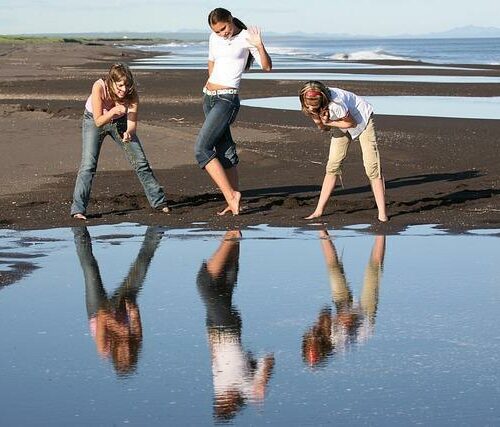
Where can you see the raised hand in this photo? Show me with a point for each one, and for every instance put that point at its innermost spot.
(254, 36)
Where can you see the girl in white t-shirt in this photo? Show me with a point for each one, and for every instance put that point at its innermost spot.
(348, 116)
(232, 48)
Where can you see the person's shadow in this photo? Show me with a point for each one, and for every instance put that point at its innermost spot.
(115, 321)
(238, 377)
(352, 323)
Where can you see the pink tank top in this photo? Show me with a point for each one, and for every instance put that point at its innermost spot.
(107, 101)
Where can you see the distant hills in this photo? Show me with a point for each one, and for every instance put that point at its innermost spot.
(464, 32)
(470, 31)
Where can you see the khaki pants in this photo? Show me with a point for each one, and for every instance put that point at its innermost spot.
(338, 151)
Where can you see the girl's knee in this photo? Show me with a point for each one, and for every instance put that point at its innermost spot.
(334, 168)
(373, 172)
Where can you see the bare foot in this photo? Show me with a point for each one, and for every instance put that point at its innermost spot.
(383, 219)
(224, 212)
(232, 235)
(313, 215)
(80, 216)
(233, 205)
(323, 234)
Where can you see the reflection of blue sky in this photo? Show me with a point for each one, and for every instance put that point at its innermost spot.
(371, 77)
(427, 106)
(431, 356)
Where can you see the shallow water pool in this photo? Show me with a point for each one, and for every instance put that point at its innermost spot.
(426, 106)
(402, 78)
(152, 326)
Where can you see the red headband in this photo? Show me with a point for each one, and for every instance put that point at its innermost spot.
(312, 94)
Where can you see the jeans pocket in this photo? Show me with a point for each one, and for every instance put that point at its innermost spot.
(234, 100)
(234, 113)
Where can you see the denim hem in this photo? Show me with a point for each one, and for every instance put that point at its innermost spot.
(206, 162)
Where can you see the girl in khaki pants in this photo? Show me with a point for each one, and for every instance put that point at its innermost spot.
(349, 117)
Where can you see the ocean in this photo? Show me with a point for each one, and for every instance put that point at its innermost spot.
(298, 52)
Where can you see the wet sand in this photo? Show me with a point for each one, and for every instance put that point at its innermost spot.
(437, 170)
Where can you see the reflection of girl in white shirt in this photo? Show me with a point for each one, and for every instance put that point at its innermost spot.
(232, 48)
(238, 376)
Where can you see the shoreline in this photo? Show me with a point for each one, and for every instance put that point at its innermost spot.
(438, 171)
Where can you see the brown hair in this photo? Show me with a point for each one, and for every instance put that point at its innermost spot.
(118, 72)
(220, 14)
(316, 91)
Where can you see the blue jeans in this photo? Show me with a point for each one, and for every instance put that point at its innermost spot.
(93, 137)
(214, 139)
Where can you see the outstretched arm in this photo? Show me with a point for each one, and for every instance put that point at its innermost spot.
(132, 118)
(255, 39)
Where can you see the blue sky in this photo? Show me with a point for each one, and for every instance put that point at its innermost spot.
(361, 17)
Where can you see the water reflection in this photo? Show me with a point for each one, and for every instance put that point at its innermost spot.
(352, 323)
(401, 78)
(467, 107)
(115, 321)
(238, 376)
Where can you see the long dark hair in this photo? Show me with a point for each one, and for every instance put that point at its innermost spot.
(220, 14)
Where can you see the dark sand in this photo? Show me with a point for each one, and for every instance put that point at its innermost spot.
(437, 171)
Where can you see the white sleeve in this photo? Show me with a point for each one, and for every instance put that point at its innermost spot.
(211, 56)
(337, 111)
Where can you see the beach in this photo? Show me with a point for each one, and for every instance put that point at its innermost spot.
(441, 171)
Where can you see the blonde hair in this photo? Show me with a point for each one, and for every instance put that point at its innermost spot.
(318, 93)
(118, 72)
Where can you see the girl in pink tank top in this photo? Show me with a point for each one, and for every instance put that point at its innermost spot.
(111, 110)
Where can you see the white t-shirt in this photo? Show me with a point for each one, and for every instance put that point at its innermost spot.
(232, 370)
(344, 102)
(230, 57)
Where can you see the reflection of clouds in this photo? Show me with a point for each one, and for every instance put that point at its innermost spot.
(114, 320)
(353, 322)
(14, 266)
(15, 270)
(238, 376)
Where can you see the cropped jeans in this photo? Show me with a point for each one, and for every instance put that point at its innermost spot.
(92, 139)
(214, 139)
